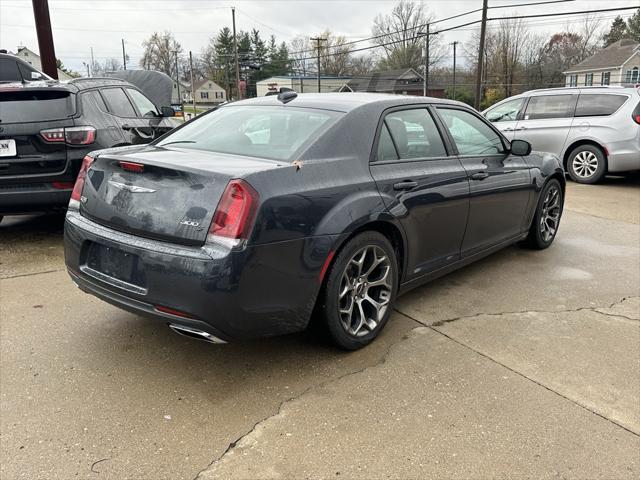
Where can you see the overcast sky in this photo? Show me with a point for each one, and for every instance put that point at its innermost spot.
(79, 25)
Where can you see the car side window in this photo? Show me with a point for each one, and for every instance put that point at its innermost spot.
(144, 105)
(602, 105)
(9, 71)
(95, 97)
(415, 134)
(550, 106)
(118, 102)
(386, 148)
(506, 112)
(471, 134)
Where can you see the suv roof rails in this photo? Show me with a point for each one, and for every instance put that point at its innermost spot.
(576, 88)
(91, 79)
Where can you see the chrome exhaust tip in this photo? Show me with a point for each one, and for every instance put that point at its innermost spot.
(195, 333)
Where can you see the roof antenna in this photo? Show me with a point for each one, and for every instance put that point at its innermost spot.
(286, 97)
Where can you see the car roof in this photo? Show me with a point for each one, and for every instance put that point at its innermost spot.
(75, 85)
(345, 101)
(607, 89)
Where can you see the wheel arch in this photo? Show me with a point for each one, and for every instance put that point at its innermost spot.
(578, 143)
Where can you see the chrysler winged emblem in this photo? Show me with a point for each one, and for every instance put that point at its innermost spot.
(131, 188)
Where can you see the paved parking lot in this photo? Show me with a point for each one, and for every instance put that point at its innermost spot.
(522, 365)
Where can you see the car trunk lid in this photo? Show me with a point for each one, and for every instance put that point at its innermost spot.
(163, 193)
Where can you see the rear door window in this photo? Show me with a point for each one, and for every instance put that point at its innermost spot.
(95, 97)
(593, 105)
(415, 134)
(118, 102)
(386, 149)
(32, 105)
(550, 106)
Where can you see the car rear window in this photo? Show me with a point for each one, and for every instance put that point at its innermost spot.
(29, 105)
(256, 131)
(593, 105)
(9, 70)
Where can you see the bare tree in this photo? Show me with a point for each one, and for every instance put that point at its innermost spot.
(160, 51)
(301, 53)
(361, 65)
(398, 35)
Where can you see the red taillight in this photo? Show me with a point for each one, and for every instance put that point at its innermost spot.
(132, 167)
(636, 118)
(70, 135)
(235, 213)
(62, 185)
(79, 185)
(172, 311)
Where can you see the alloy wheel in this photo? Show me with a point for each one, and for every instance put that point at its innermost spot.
(585, 164)
(365, 290)
(550, 216)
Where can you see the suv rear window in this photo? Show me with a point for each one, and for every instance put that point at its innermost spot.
(590, 105)
(267, 132)
(29, 105)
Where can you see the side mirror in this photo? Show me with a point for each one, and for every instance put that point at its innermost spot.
(36, 76)
(520, 148)
(167, 112)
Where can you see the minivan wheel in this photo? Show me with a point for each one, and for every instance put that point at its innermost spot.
(361, 289)
(546, 220)
(586, 164)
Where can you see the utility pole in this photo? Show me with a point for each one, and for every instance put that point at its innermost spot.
(124, 56)
(454, 68)
(178, 80)
(93, 63)
(86, 65)
(425, 79)
(45, 37)
(193, 93)
(235, 52)
(318, 40)
(483, 30)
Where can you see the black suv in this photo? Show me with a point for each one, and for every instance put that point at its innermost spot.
(47, 127)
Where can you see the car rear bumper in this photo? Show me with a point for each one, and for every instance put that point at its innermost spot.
(259, 291)
(624, 161)
(32, 197)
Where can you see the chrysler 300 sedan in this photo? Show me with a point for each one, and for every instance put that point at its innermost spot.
(253, 219)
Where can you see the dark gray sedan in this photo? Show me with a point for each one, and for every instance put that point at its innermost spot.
(252, 219)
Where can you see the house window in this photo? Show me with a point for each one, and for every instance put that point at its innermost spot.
(606, 78)
(633, 75)
(204, 95)
(573, 80)
(588, 80)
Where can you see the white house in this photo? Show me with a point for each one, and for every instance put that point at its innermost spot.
(208, 92)
(618, 64)
(33, 59)
(300, 84)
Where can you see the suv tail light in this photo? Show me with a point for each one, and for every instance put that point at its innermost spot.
(234, 215)
(76, 194)
(636, 114)
(70, 135)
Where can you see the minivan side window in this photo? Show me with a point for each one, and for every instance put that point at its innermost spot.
(415, 134)
(550, 106)
(593, 105)
(506, 112)
(118, 102)
(472, 135)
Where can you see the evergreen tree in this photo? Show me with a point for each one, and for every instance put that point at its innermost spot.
(633, 26)
(616, 32)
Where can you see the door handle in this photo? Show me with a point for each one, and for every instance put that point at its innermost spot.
(519, 128)
(126, 126)
(479, 175)
(405, 185)
(508, 129)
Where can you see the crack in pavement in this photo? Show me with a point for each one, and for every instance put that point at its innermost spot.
(597, 309)
(383, 358)
(520, 374)
(31, 274)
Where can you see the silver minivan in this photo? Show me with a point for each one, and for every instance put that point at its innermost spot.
(594, 130)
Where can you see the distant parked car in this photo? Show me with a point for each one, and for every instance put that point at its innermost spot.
(594, 130)
(14, 69)
(47, 127)
(244, 221)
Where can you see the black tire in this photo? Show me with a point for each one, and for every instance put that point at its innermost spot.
(539, 237)
(581, 163)
(375, 246)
